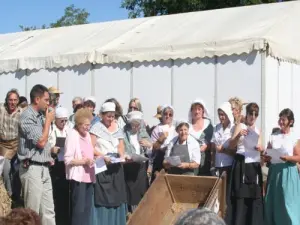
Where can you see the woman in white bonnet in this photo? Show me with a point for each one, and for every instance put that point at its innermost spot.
(222, 157)
(60, 185)
(137, 142)
(110, 190)
(201, 129)
(161, 137)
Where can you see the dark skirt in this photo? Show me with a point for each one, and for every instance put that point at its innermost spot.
(158, 158)
(205, 164)
(246, 191)
(136, 180)
(110, 189)
(61, 193)
(228, 170)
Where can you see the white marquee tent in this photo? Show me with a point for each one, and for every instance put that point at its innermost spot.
(252, 52)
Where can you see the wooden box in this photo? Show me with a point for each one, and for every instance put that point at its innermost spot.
(170, 195)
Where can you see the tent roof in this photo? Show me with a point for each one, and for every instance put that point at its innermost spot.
(269, 27)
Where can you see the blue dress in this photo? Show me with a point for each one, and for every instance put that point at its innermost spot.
(283, 190)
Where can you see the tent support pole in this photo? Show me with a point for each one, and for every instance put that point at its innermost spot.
(131, 80)
(216, 89)
(26, 84)
(93, 91)
(263, 56)
(172, 82)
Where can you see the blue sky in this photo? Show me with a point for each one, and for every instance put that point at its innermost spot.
(37, 12)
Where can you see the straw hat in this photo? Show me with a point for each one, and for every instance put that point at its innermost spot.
(54, 90)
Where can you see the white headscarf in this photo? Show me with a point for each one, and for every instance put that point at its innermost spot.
(226, 108)
(135, 116)
(165, 107)
(201, 102)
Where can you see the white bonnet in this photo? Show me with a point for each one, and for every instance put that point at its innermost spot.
(135, 116)
(226, 108)
(61, 112)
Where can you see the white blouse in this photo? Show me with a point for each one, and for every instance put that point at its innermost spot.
(246, 145)
(193, 148)
(286, 142)
(159, 129)
(221, 137)
(197, 134)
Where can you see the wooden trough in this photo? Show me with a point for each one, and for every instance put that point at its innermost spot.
(170, 195)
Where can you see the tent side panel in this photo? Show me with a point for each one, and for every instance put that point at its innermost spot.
(296, 95)
(75, 81)
(152, 85)
(12, 80)
(272, 96)
(193, 78)
(282, 91)
(44, 77)
(112, 81)
(239, 75)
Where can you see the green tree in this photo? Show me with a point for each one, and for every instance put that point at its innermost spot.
(138, 8)
(72, 16)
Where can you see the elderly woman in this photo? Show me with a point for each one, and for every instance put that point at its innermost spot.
(283, 191)
(110, 190)
(246, 184)
(186, 148)
(60, 185)
(202, 130)
(79, 154)
(137, 143)
(161, 137)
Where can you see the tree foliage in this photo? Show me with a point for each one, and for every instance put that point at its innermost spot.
(138, 8)
(72, 16)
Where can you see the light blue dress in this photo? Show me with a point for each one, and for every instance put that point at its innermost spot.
(282, 201)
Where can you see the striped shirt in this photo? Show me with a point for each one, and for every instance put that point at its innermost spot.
(30, 131)
(9, 123)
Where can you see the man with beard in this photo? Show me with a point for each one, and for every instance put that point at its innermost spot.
(35, 154)
(9, 119)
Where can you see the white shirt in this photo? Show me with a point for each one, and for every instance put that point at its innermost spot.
(55, 132)
(193, 148)
(197, 134)
(246, 145)
(135, 142)
(284, 141)
(221, 137)
(159, 129)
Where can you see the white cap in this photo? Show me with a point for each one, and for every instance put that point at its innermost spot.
(135, 116)
(181, 121)
(108, 107)
(90, 98)
(61, 112)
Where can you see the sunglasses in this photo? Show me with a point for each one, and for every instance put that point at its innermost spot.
(168, 114)
(253, 114)
(133, 108)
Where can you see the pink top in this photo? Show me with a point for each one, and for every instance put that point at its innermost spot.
(73, 150)
(87, 151)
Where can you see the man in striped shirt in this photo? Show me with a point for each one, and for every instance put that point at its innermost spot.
(35, 155)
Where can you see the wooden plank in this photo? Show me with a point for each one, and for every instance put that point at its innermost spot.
(154, 205)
